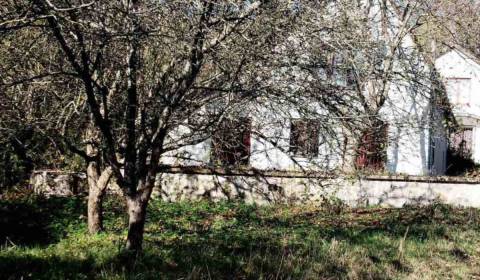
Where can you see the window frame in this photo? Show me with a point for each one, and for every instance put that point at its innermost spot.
(312, 150)
(467, 150)
(222, 156)
(372, 155)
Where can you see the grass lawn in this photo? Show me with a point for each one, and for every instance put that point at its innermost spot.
(46, 239)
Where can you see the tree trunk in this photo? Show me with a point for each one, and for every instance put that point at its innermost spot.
(137, 210)
(95, 211)
(97, 185)
(137, 196)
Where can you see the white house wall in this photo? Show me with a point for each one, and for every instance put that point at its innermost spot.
(407, 149)
(464, 94)
(272, 150)
(407, 112)
(465, 98)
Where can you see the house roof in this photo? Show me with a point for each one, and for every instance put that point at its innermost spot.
(464, 52)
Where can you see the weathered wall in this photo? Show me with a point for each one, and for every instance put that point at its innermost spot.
(58, 183)
(406, 110)
(271, 188)
(461, 75)
(394, 192)
(463, 90)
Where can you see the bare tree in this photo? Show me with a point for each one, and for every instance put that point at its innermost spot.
(360, 55)
(32, 109)
(149, 78)
(146, 68)
(446, 24)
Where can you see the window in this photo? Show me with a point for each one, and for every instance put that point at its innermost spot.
(304, 138)
(459, 157)
(461, 142)
(338, 71)
(231, 142)
(372, 149)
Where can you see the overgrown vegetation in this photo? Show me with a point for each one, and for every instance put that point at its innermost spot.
(47, 239)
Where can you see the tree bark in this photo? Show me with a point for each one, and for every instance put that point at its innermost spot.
(95, 211)
(137, 210)
(97, 186)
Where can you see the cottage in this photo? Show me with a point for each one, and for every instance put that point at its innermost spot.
(406, 134)
(460, 73)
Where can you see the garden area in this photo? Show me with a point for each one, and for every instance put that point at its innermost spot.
(47, 238)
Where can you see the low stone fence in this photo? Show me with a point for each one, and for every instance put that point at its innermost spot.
(58, 183)
(388, 191)
(291, 187)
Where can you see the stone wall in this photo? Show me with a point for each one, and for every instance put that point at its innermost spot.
(58, 183)
(279, 187)
(385, 191)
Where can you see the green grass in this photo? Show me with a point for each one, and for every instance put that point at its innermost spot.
(46, 239)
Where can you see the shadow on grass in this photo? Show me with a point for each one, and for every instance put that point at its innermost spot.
(224, 241)
(37, 220)
(34, 267)
(241, 257)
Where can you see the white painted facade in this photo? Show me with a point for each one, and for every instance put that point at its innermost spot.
(460, 74)
(416, 142)
(409, 118)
